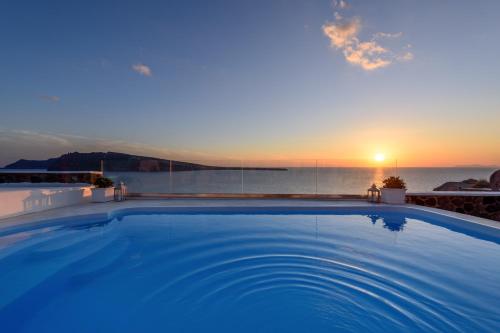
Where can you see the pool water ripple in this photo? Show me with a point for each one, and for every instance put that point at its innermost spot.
(307, 272)
(250, 273)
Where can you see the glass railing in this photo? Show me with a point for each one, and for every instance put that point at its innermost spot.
(275, 177)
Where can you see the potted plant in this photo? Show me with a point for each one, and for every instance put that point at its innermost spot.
(393, 191)
(103, 191)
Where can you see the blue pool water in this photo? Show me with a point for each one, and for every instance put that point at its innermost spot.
(267, 272)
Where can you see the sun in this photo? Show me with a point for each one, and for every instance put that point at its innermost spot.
(379, 157)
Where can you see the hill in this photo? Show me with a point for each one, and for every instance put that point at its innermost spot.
(112, 161)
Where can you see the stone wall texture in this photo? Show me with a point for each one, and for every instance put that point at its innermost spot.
(481, 206)
(46, 177)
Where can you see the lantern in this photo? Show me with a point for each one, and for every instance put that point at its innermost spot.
(373, 194)
(120, 192)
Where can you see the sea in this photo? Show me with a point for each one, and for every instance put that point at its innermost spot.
(304, 180)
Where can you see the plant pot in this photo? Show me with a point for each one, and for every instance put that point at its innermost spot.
(103, 194)
(393, 196)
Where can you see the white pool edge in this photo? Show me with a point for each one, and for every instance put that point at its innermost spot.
(471, 223)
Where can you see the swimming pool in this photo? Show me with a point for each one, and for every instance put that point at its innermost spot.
(244, 270)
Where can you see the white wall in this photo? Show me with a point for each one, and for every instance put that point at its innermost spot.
(24, 200)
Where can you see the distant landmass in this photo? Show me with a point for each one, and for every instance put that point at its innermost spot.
(116, 162)
(477, 166)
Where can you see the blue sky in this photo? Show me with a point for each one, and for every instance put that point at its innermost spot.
(252, 79)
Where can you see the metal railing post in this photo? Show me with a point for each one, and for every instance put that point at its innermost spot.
(316, 173)
(242, 184)
(170, 180)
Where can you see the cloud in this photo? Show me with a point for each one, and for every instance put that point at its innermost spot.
(369, 55)
(408, 56)
(342, 4)
(142, 69)
(387, 35)
(342, 34)
(17, 144)
(53, 99)
(16, 136)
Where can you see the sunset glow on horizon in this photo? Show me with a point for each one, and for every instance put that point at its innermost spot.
(379, 157)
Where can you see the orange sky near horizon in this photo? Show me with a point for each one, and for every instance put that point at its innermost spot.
(410, 147)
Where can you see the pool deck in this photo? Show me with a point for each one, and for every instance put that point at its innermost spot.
(105, 208)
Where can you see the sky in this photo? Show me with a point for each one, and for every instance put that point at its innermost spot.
(266, 80)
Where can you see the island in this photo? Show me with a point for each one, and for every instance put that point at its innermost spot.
(119, 162)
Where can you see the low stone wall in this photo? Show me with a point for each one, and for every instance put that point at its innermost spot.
(49, 177)
(486, 205)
